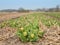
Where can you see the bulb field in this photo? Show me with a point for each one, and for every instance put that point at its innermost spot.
(28, 27)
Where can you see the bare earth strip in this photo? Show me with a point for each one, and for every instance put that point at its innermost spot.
(7, 16)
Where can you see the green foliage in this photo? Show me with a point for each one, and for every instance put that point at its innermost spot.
(28, 26)
(32, 18)
(29, 33)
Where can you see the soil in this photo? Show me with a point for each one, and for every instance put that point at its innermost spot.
(51, 36)
(8, 16)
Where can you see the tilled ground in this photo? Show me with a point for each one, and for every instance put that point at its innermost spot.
(51, 37)
(8, 16)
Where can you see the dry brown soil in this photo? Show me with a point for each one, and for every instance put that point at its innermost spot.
(8, 36)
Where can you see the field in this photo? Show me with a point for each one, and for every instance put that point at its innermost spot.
(48, 22)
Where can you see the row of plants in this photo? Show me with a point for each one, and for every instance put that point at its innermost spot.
(28, 28)
(23, 20)
(54, 14)
(30, 32)
(46, 20)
